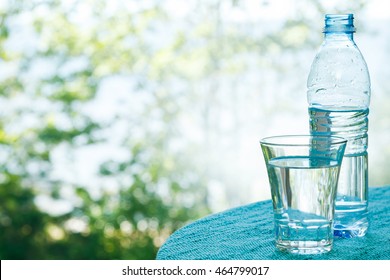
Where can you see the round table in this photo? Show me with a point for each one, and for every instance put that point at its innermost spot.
(246, 233)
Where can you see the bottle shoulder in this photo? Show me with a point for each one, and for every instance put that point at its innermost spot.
(339, 77)
(349, 54)
(336, 66)
(338, 98)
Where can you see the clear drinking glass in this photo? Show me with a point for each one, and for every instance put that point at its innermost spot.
(303, 172)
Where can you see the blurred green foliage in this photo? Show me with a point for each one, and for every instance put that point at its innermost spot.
(127, 223)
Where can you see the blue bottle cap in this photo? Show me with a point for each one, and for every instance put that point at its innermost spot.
(335, 23)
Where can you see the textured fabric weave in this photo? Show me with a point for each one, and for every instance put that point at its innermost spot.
(246, 233)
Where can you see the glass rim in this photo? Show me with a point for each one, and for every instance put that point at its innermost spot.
(280, 140)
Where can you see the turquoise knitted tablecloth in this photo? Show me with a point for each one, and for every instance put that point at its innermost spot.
(246, 233)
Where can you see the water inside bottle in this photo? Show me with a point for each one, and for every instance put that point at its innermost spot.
(352, 193)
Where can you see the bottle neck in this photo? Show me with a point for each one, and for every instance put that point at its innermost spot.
(338, 36)
(339, 27)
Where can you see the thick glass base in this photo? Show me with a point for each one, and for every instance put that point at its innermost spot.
(303, 233)
(305, 247)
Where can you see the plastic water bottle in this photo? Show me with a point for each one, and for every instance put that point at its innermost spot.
(339, 96)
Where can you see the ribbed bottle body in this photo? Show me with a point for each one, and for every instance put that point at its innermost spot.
(351, 216)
